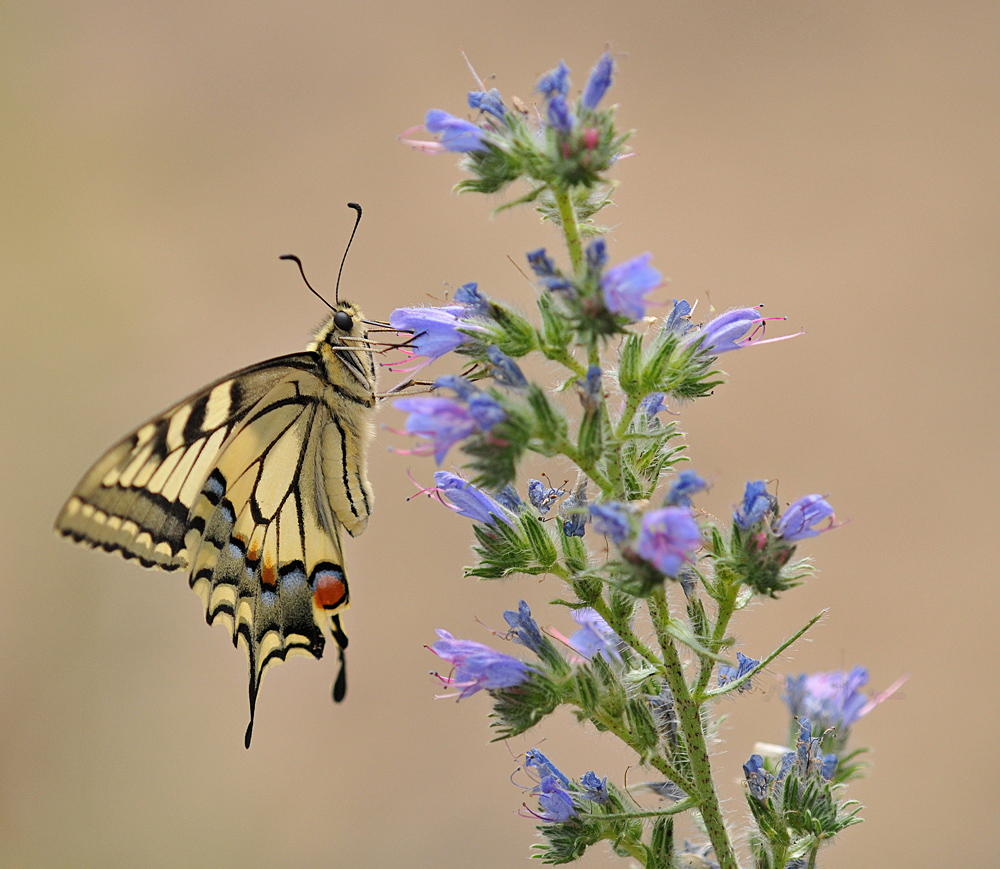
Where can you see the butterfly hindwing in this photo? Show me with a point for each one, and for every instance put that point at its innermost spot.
(245, 485)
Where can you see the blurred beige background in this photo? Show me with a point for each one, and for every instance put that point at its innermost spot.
(837, 162)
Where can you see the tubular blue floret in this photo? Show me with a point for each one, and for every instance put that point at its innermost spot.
(799, 520)
(456, 134)
(534, 759)
(443, 421)
(435, 330)
(599, 82)
(612, 520)
(505, 370)
(525, 629)
(478, 666)
(558, 114)
(652, 404)
(555, 81)
(595, 788)
(723, 333)
(626, 285)
(471, 502)
(744, 665)
(490, 102)
(557, 804)
(541, 263)
(755, 505)
(595, 637)
(832, 699)
(597, 255)
(686, 484)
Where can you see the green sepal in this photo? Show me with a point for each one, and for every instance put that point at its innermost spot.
(629, 377)
(503, 549)
(574, 553)
(522, 706)
(557, 331)
(645, 735)
(660, 850)
(510, 331)
(590, 442)
(549, 424)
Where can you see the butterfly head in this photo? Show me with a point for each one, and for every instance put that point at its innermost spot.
(345, 349)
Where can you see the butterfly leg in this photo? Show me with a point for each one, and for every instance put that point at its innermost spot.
(340, 683)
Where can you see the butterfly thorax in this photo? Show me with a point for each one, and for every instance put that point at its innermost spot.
(345, 354)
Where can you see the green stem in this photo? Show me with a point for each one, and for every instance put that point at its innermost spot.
(571, 229)
(689, 716)
(631, 406)
(727, 607)
(661, 765)
(568, 449)
(675, 809)
(564, 357)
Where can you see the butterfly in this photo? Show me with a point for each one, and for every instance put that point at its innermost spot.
(245, 486)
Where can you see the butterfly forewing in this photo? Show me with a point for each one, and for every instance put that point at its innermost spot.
(245, 485)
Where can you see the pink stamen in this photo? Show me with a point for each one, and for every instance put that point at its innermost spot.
(432, 147)
(884, 695)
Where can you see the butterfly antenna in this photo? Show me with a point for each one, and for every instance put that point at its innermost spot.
(357, 208)
(302, 271)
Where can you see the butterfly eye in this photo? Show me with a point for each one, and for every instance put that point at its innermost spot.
(342, 320)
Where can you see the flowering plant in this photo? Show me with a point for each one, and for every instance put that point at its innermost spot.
(654, 605)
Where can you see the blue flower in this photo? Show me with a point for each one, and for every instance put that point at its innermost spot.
(756, 502)
(595, 637)
(831, 700)
(477, 666)
(508, 497)
(443, 421)
(597, 255)
(613, 520)
(456, 134)
(724, 332)
(525, 629)
(595, 788)
(626, 285)
(505, 369)
(557, 804)
(555, 81)
(534, 759)
(435, 330)
(652, 404)
(759, 780)
(678, 319)
(668, 538)
(590, 388)
(488, 101)
(459, 385)
(729, 674)
(686, 484)
(558, 114)
(486, 410)
(599, 82)
(471, 502)
(541, 263)
(798, 521)
(469, 297)
(543, 497)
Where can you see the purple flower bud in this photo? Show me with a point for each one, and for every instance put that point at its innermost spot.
(477, 666)
(470, 502)
(686, 484)
(595, 637)
(472, 300)
(558, 114)
(599, 82)
(756, 502)
(668, 538)
(456, 134)
(724, 332)
(488, 101)
(541, 263)
(612, 520)
(597, 255)
(797, 522)
(590, 388)
(626, 285)
(508, 497)
(505, 369)
(555, 81)
(462, 388)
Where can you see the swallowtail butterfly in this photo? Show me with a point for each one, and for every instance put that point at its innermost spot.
(245, 486)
